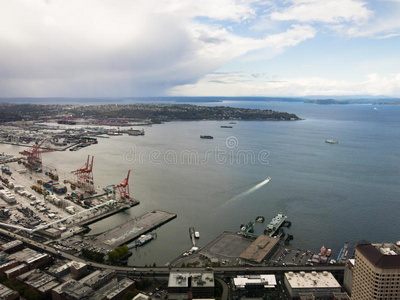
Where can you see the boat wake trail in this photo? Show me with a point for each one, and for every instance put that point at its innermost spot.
(249, 191)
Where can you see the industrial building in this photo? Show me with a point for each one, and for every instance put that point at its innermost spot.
(12, 246)
(321, 284)
(8, 294)
(40, 281)
(254, 286)
(98, 278)
(191, 285)
(376, 273)
(71, 290)
(118, 290)
(32, 258)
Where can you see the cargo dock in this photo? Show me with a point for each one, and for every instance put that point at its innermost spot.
(132, 229)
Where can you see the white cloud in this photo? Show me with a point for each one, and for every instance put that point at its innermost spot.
(325, 11)
(124, 48)
(244, 84)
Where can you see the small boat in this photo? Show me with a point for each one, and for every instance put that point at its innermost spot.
(226, 126)
(204, 136)
(197, 234)
(260, 219)
(232, 122)
(331, 141)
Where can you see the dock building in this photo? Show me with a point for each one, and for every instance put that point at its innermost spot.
(261, 249)
(320, 284)
(376, 273)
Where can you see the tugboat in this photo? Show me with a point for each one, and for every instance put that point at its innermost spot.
(260, 219)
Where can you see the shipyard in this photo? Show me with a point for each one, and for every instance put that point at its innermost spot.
(58, 223)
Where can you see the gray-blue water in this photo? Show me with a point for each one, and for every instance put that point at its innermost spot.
(331, 193)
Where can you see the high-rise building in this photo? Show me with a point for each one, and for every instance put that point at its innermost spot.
(376, 273)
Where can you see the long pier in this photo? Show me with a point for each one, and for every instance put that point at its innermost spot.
(132, 229)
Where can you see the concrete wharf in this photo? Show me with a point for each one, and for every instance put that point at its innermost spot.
(132, 229)
(96, 218)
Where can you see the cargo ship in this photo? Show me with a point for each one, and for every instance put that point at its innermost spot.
(204, 136)
(143, 239)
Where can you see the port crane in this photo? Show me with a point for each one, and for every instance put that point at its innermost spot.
(84, 174)
(123, 188)
(33, 155)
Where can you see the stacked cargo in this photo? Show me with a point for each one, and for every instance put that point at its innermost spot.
(70, 210)
(60, 189)
(7, 196)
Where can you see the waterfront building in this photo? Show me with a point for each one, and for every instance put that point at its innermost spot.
(191, 285)
(376, 273)
(254, 286)
(259, 250)
(320, 284)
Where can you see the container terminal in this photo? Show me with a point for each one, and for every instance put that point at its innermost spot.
(51, 205)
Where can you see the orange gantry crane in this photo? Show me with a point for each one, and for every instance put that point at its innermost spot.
(123, 188)
(33, 155)
(84, 175)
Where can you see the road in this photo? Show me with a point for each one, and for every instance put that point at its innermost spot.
(164, 271)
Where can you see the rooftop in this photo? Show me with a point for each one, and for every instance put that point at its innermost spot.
(199, 279)
(385, 256)
(311, 280)
(269, 281)
(259, 249)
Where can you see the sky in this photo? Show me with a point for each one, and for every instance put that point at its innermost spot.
(136, 48)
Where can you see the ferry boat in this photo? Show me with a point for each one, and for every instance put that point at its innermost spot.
(331, 141)
(143, 239)
(204, 136)
(135, 132)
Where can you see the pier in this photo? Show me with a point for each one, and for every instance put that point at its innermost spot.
(101, 216)
(132, 229)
